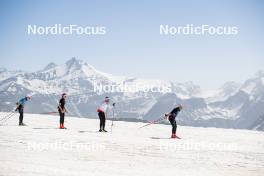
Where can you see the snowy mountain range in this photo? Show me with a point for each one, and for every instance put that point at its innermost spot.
(231, 106)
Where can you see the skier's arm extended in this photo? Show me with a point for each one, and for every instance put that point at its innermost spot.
(175, 110)
(167, 115)
(111, 104)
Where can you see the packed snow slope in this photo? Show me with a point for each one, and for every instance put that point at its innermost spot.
(40, 148)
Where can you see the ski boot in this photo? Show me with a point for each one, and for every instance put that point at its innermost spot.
(173, 135)
(62, 126)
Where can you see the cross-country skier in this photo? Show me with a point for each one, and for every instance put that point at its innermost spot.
(62, 110)
(102, 113)
(20, 108)
(171, 116)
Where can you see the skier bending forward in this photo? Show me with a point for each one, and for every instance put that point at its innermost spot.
(20, 108)
(172, 115)
(101, 113)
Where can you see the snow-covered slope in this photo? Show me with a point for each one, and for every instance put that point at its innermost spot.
(42, 149)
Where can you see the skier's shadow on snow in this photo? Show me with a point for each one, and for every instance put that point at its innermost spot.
(158, 138)
(88, 131)
(45, 128)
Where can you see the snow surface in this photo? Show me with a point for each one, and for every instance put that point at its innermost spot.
(42, 149)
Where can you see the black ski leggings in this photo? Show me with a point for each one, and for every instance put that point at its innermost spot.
(21, 114)
(62, 115)
(102, 120)
(173, 124)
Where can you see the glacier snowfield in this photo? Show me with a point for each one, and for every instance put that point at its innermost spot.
(40, 148)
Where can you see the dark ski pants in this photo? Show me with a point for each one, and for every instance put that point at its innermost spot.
(102, 120)
(62, 115)
(21, 115)
(173, 124)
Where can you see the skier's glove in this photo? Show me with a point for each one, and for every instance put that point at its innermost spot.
(114, 104)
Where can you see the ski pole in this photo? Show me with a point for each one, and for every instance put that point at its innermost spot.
(6, 116)
(154, 122)
(113, 117)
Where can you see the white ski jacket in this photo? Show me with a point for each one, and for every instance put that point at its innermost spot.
(103, 107)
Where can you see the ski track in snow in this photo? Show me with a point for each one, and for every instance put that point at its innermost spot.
(31, 149)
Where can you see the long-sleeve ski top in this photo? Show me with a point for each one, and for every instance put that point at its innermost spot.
(105, 106)
(23, 101)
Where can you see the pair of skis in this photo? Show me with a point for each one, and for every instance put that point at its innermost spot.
(158, 121)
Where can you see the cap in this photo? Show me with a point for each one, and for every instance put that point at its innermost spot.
(107, 99)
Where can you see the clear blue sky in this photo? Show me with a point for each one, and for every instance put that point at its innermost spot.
(133, 46)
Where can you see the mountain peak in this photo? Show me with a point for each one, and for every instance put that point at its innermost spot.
(74, 64)
(50, 66)
(74, 61)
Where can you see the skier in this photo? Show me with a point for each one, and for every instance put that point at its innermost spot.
(101, 113)
(20, 108)
(62, 110)
(171, 116)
